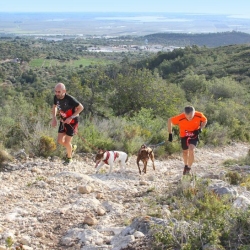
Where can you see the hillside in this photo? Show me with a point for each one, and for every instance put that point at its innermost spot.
(127, 100)
(45, 205)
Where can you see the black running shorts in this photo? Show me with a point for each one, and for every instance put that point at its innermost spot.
(68, 129)
(185, 141)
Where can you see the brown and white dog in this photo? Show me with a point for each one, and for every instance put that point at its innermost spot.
(110, 158)
(143, 155)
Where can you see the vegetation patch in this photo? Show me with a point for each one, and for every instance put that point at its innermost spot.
(199, 218)
(127, 97)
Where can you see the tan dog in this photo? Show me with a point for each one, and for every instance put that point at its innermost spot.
(110, 158)
(143, 155)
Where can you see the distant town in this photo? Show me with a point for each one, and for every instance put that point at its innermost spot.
(132, 48)
(126, 47)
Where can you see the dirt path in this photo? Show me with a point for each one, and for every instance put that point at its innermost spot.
(40, 201)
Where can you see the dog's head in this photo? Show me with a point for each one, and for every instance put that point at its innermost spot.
(99, 156)
(144, 152)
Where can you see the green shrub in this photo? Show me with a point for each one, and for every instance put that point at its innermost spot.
(184, 236)
(172, 147)
(121, 134)
(230, 162)
(9, 242)
(216, 135)
(245, 182)
(132, 130)
(201, 218)
(239, 231)
(233, 177)
(46, 146)
(16, 137)
(154, 209)
(159, 152)
(133, 145)
(90, 138)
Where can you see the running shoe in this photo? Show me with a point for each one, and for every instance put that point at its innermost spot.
(74, 147)
(186, 170)
(67, 161)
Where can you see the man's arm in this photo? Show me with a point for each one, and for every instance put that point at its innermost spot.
(170, 125)
(78, 110)
(54, 112)
(170, 136)
(203, 124)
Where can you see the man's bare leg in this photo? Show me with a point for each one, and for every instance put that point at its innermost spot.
(190, 160)
(185, 156)
(65, 140)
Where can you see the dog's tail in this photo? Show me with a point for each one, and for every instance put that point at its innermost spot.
(126, 159)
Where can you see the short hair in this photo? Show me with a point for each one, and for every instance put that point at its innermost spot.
(189, 109)
(61, 86)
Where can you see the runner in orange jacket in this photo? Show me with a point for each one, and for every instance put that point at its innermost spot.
(190, 124)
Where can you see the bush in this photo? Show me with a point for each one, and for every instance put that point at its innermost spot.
(236, 178)
(46, 146)
(120, 133)
(239, 231)
(233, 177)
(4, 155)
(216, 135)
(200, 218)
(245, 182)
(16, 137)
(173, 147)
(226, 87)
(90, 138)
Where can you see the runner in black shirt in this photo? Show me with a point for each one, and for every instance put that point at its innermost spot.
(69, 109)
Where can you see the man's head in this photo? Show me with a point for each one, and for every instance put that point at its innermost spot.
(189, 112)
(60, 90)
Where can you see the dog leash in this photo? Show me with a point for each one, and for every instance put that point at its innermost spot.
(159, 144)
(90, 145)
(156, 145)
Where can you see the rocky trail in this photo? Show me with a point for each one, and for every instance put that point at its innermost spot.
(46, 205)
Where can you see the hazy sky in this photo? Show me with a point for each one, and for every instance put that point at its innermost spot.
(237, 7)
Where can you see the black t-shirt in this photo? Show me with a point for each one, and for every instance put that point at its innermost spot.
(66, 106)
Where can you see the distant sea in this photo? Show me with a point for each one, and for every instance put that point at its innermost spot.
(112, 24)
